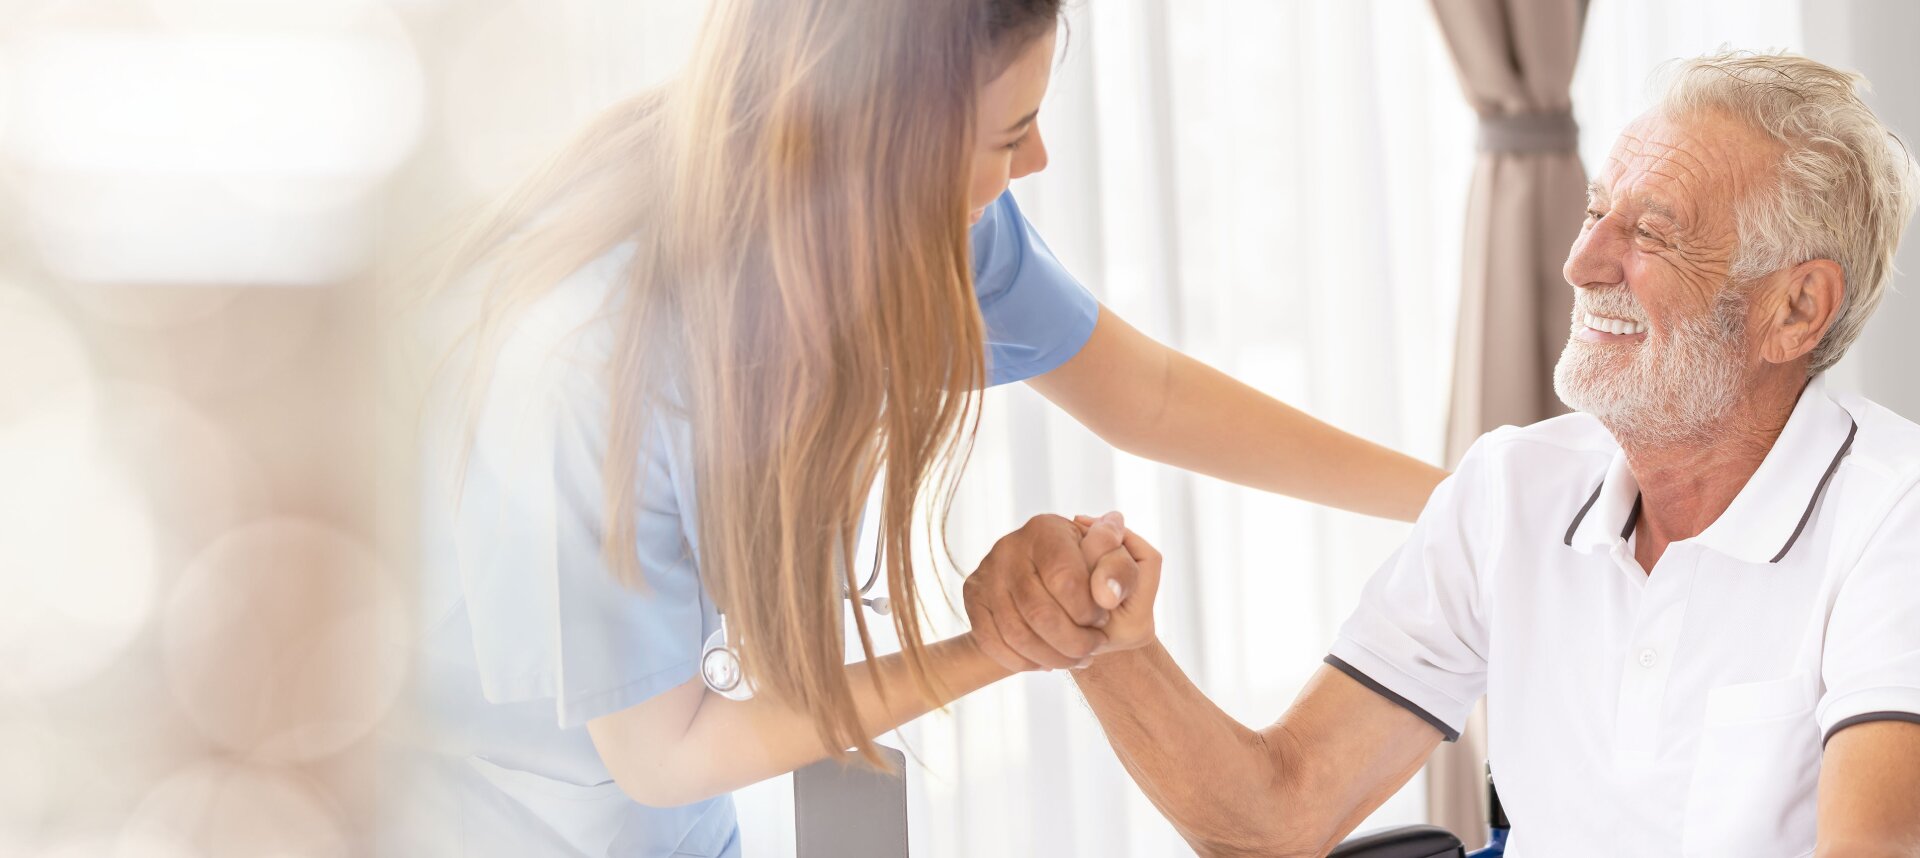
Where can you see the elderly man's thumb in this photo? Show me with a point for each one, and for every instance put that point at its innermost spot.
(1114, 576)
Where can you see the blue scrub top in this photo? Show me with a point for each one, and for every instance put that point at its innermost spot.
(529, 635)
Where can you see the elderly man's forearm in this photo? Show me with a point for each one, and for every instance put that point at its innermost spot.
(1213, 778)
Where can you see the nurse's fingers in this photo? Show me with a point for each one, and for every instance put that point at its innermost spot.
(1051, 623)
(986, 636)
(1061, 567)
(1021, 637)
(1113, 522)
(997, 620)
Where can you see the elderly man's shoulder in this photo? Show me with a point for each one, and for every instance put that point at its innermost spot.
(1873, 484)
(1574, 437)
(1540, 467)
(1885, 445)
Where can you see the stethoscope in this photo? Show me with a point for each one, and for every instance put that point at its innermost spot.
(720, 662)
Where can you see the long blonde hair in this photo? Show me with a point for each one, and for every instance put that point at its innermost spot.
(801, 293)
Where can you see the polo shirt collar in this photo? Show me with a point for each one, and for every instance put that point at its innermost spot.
(1767, 516)
(1610, 511)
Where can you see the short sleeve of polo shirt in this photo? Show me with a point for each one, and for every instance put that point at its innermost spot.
(1037, 316)
(1419, 635)
(1871, 662)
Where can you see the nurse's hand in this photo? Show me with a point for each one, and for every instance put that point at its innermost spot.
(1042, 597)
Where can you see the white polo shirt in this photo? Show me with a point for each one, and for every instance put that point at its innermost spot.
(1677, 713)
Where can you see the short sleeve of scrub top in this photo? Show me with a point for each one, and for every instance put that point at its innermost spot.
(1037, 315)
(549, 621)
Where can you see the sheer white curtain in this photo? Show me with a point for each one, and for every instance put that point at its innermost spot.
(1627, 41)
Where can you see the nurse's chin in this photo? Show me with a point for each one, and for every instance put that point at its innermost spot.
(974, 216)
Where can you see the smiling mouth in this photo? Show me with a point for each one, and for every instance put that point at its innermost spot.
(1605, 325)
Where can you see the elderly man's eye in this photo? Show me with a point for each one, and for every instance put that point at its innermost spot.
(1594, 215)
(1644, 233)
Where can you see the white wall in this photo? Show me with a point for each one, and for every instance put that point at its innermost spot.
(1876, 38)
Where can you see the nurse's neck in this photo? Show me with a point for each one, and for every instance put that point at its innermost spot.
(1686, 484)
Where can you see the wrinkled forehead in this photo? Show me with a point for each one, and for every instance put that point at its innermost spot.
(1693, 168)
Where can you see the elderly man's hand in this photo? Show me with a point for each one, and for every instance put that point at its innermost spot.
(1130, 624)
(1045, 594)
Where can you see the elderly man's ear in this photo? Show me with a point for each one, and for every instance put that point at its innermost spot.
(1806, 305)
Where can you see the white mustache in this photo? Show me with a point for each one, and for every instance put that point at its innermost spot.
(1627, 310)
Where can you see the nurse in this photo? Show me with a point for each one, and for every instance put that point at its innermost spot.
(705, 334)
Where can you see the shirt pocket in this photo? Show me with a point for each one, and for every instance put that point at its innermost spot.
(1756, 766)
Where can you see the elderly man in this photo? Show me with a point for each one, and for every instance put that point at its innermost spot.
(1693, 608)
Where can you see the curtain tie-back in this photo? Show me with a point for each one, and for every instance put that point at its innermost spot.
(1530, 132)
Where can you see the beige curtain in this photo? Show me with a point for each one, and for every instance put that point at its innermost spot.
(1515, 59)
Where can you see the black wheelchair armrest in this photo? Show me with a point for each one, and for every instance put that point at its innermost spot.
(1406, 841)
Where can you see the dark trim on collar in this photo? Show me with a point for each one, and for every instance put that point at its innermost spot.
(1568, 541)
(1633, 517)
(1446, 732)
(1819, 490)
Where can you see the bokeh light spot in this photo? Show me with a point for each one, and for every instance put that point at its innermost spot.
(221, 810)
(285, 641)
(77, 565)
(41, 356)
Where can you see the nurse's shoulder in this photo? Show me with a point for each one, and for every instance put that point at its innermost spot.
(570, 329)
(549, 364)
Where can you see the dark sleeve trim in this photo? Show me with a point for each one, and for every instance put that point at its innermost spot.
(1865, 717)
(1448, 732)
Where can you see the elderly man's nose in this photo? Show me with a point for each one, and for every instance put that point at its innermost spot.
(1595, 257)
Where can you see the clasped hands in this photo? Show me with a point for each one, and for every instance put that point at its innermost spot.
(1058, 592)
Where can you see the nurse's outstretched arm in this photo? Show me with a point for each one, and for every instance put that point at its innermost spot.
(1153, 401)
(689, 744)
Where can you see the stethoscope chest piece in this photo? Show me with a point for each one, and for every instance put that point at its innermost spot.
(720, 667)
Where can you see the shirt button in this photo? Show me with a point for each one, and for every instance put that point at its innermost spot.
(1647, 657)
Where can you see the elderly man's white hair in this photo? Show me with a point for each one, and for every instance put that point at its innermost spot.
(1845, 184)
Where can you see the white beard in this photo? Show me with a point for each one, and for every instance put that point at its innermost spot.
(1674, 390)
